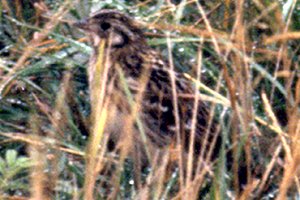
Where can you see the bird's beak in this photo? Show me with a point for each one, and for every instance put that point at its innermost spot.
(82, 24)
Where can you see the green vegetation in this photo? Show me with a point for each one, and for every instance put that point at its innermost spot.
(250, 78)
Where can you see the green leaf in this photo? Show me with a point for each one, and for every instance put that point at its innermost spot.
(2, 166)
(10, 157)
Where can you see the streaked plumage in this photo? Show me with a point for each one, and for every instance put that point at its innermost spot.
(130, 51)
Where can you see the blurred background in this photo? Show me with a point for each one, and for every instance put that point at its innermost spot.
(250, 77)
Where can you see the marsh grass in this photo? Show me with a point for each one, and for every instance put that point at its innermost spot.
(243, 59)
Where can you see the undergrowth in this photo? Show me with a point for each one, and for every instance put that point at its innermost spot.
(249, 76)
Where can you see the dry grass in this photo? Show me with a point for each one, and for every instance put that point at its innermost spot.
(243, 58)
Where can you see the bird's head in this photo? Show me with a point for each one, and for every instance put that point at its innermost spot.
(112, 25)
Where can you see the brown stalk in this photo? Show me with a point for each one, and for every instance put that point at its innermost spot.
(59, 121)
(176, 112)
(283, 50)
(218, 98)
(188, 29)
(195, 184)
(274, 122)
(292, 162)
(232, 92)
(264, 12)
(5, 83)
(194, 119)
(283, 37)
(158, 175)
(38, 177)
(128, 129)
(98, 117)
(247, 192)
(268, 171)
(22, 137)
(226, 14)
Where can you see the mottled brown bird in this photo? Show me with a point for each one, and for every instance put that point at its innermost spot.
(148, 77)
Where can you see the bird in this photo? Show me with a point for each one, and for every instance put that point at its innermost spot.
(165, 120)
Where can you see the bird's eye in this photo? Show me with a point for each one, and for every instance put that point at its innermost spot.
(105, 26)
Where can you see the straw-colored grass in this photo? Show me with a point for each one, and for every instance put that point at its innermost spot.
(242, 57)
